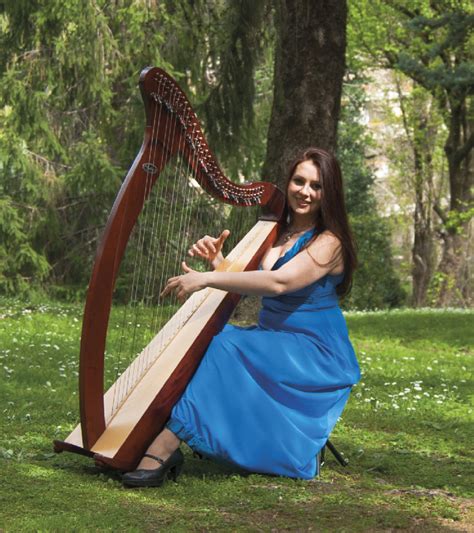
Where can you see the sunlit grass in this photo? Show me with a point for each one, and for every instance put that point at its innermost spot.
(407, 431)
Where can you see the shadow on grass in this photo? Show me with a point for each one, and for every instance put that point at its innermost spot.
(209, 496)
(403, 467)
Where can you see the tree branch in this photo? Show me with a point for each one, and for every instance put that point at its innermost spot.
(442, 215)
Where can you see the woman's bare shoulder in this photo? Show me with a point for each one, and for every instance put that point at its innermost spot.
(327, 239)
(326, 249)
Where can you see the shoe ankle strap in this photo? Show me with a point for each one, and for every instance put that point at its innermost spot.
(155, 457)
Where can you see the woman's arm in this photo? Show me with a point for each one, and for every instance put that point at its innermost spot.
(305, 268)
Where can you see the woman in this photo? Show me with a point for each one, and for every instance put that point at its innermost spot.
(267, 397)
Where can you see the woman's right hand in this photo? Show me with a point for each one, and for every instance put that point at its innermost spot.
(209, 248)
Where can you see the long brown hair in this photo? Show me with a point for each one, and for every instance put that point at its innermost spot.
(332, 215)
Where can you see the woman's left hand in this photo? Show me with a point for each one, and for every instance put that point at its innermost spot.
(186, 284)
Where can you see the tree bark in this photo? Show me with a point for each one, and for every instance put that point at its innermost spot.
(309, 69)
(455, 268)
(422, 140)
(422, 253)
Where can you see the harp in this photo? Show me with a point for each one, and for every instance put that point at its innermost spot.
(159, 204)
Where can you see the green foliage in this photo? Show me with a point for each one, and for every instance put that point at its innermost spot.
(438, 283)
(19, 262)
(406, 431)
(72, 117)
(224, 50)
(71, 121)
(376, 285)
(432, 44)
(456, 220)
(353, 143)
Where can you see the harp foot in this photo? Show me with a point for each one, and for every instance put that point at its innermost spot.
(170, 468)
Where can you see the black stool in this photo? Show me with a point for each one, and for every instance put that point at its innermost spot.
(322, 455)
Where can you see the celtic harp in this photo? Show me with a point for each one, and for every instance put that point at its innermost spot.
(173, 187)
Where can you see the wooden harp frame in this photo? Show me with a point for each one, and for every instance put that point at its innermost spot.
(177, 133)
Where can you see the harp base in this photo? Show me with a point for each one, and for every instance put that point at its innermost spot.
(100, 461)
(60, 446)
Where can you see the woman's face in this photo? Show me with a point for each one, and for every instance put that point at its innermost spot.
(304, 191)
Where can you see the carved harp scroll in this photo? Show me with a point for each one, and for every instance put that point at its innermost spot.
(119, 438)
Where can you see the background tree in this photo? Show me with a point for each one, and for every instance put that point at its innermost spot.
(376, 283)
(72, 118)
(431, 42)
(414, 147)
(309, 69)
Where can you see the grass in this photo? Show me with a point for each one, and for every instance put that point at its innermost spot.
(407, 432)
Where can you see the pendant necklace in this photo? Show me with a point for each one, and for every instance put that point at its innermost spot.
(286, 236)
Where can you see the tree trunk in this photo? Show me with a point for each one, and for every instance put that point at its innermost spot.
(454, 281)
(422, 255)
(309, 68)
(422, 142)
(455, 278)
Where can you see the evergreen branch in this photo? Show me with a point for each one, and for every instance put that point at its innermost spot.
(32, 208)
(46, 161)
(81, 200)
(89, 229)
(434, 5)
(403, 9)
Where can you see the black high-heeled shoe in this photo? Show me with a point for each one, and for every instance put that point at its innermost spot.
(155, 478)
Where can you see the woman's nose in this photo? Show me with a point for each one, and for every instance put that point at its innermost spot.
(306, 189)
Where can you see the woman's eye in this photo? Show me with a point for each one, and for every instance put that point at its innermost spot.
(316, 186)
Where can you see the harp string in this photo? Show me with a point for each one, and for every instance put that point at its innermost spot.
(181, 177)
(128, 309)
(153, 243)
(169, 137)
(150, 246)
(167, 254)
(159, 240)
(162, 239)
(154, 272)
(147, 270)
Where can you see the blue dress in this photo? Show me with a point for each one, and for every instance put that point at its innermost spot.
(266, 397)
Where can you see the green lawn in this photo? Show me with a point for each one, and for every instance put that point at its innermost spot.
(407, 432)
